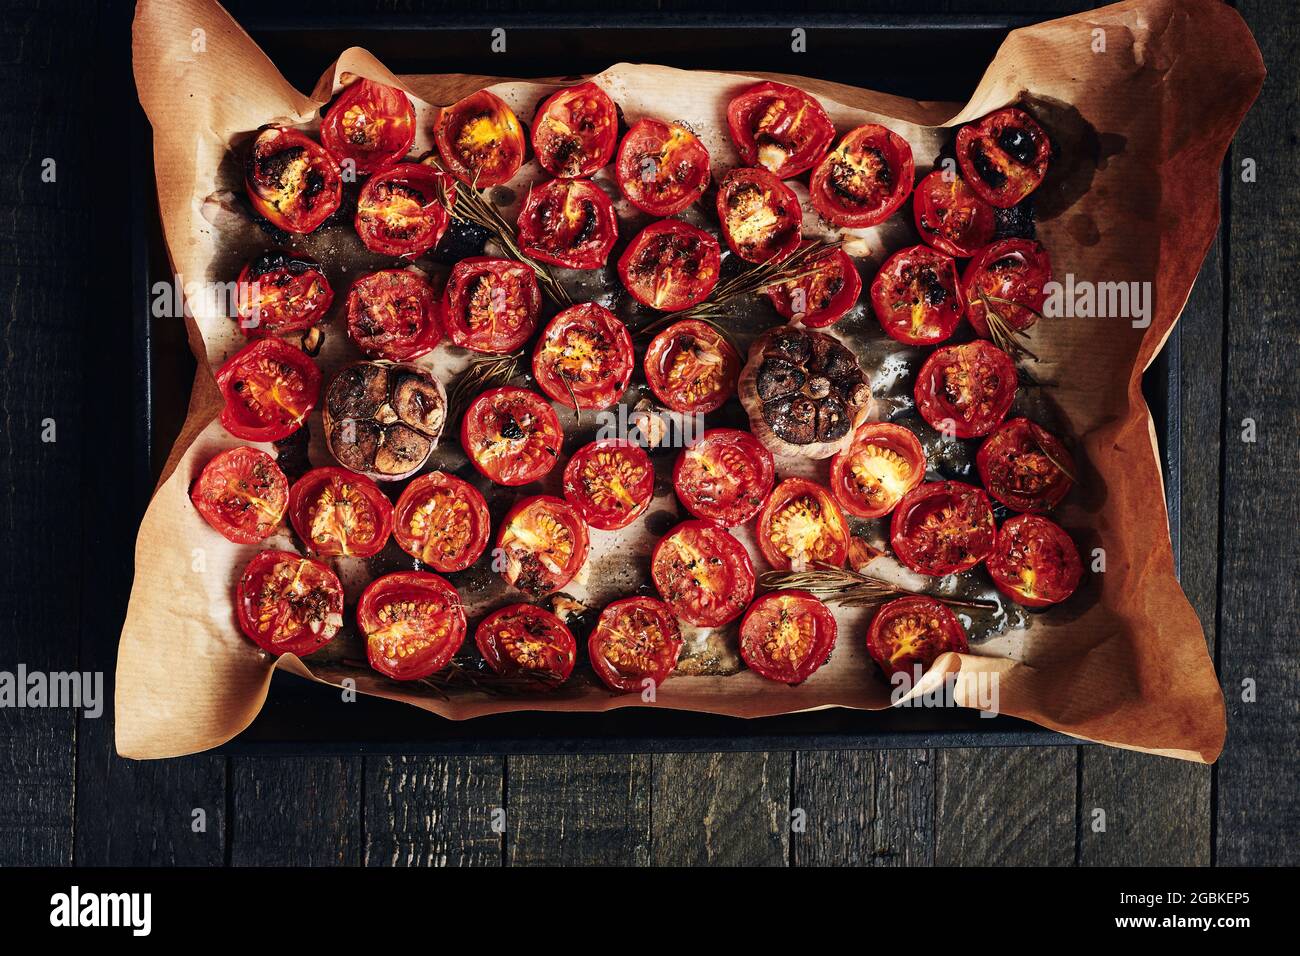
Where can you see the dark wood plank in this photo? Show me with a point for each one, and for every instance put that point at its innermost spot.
(434, 811)
(592, 810)
(1259, 616)
(1005, 807)
(721, 809)
(863, 808)
(295, 811)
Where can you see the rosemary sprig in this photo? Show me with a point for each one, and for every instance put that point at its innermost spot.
(854, 589)
(482, 374)
(1047, 453)
(1004, 335)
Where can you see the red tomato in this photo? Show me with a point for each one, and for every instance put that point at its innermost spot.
(780, 128)
(801, 525)
(724, 477)
(490, 305)
(703, 573)
(543, 542)
(414, 624)
(965, 390)
(442, 521)
(393, 314)
(916, 296)
(270, 387)
(291, 180)
(634, 641)
(337, 512)
(480, 140)
(760, 215)
(527, 640)
(569, 223)
(611, 482)
(913, 630)
(864, 179)
(399, 212)
(1012, 274)
(786, 635)
(942, 527)
(662, 168)
(575, 130)
(242, 493)
(1034, 562)
(1004, 156)
(584, 357)
(288, 604)
(511, 435)
(691, 367)
(670, 265)
(951, 216)
(822, 297)
(281, 292)
(881, 464)
(1025, 466)
(371, 124)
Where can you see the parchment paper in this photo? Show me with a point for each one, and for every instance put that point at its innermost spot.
(1142, 128)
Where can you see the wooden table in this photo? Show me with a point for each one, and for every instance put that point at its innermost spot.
(66, 797)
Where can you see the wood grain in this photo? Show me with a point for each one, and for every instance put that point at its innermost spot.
(295, 811)
(433, 811)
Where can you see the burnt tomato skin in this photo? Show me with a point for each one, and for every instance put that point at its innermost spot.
(917, 296)
(864, 180)
(270, 387)
(291, 180)
(942, 527)
(523, 639)
(568, 223)
(760, 215)
(1004, 156)
(662, 168)
(825, 295)
(703, 573)
(780, 128)
(1025, 466)
(414, 624)
(280, 292)
(913, 630)
(786, 635)
(543, 541)
(670, 265)
(725, 477)
(966, 390)
(511, 435)
(1034, 562)
(575, 131)
(635, 640)
(1012, 274)
(371, 124)
(393, 315)
(952, 217)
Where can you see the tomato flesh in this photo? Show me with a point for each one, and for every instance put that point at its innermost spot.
(584, 357)
(280, 292)
(527, 640)
(512, 435)
(1004, 156)
(575, 131)
(724, 477)
(801, 526)
(288, 604)
(1025, 466)
(337, 512)
(691, 367)
(670, 265)
(490, 305)
(703, 573)
(569, 223)
(291, 180)
(270, 387)
(864, 179)
(821, 298)
(543, 542)
(966, 390)
(371, 124)
(413, 622)
(786, 635)
(242, 494)
(950, 216)
(400, 212)
(882, 464)
(442, 521)
(635, 641)
(760, 215)
(611, 482)
(1034, 562)
(393, 314)
(942, 527)
(480, 140)
(913, 631)
(661, 168)
(1010, 277)
(780, 128)
(917, 297)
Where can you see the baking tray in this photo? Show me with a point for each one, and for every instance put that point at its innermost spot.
(894, 54)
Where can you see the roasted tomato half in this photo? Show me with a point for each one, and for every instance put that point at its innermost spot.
(883, 463)
(821, 297)
(801, 525)
(338, 512)
(634, 641)
(1010, 277)
(1034, 562)
(242, 493)
(512, 435)
(393, 314)
(490, 305)
(611, 482)
(291, 180)
(521, 639)
(269, 386)
(371, 124)
(724, 477)
(575, 131)
(703, 573)
(780, 128)
(965, 390)
(443, 521)
(280, 292)
(662, 167)
(942, 527)
(480, 140)
(760, 215)
(864, 179)
(288, 604)
(584, 357)
(1025, 466)
(414, 624)
(399, 212)
(913, 630)
(916, 296)
(691, 367)
(951, 216)
(786, 635)
(1004, 156)
(670, 265)
(543, 543)
(569, 223)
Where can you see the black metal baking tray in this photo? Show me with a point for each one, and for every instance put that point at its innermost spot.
(891, 54)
